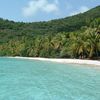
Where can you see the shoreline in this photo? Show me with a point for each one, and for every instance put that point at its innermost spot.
(59, 60)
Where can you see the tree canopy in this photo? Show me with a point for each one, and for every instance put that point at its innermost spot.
(76, 36)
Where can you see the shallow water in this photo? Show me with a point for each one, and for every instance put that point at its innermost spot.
(40, 80)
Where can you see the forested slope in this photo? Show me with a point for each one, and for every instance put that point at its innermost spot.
(75, 36)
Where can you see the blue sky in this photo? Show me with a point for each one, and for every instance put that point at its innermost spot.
(43, 10)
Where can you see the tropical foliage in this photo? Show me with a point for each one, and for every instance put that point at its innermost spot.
(72, 37)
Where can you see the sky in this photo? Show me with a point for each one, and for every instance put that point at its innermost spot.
(43, 10)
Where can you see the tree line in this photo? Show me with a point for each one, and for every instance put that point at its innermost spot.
(71, 37)
(79, 44)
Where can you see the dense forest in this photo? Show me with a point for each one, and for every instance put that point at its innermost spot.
(76, 36)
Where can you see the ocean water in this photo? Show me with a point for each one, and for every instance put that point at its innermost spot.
(39, 80)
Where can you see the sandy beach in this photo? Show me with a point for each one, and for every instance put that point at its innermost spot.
(67, 61)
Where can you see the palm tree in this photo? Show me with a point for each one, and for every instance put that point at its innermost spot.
(77, 45)
(93, 41)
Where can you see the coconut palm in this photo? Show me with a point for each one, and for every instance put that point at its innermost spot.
(93, 42)
(76, 45)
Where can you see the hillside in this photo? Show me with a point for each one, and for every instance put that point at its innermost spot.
(21, 37)
(68, 24)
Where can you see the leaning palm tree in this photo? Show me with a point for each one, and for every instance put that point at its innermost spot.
(93, 42)
(76, 45)
(85, 44)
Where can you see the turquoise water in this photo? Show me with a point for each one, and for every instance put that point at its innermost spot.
(40, 80)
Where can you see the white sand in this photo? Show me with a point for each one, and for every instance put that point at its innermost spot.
(73, 61)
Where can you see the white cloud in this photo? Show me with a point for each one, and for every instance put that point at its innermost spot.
(35, 6)
(81, 10)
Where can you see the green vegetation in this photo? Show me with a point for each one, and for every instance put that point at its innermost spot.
(72, 37)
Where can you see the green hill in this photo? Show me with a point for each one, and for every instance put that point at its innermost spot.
(26, 34)
(67, 24)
